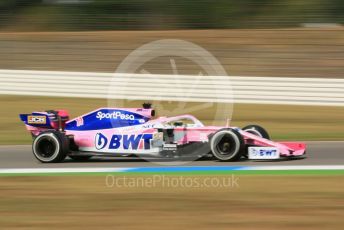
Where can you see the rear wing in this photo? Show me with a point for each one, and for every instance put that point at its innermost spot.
(37, 122)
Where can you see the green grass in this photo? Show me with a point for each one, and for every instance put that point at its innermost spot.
(258, 202)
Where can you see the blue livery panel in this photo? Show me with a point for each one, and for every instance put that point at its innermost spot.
(36, 119)
(106, 119)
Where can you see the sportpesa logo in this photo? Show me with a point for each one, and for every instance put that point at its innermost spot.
(115, 115)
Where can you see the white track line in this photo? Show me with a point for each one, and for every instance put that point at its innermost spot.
(297, 167)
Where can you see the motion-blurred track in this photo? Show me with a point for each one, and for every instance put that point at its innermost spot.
(318, 153)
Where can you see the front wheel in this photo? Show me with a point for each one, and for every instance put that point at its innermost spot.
(257, 130)
(50, 147)
(227, 145)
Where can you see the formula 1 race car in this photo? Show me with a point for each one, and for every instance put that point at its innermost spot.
(134, 132)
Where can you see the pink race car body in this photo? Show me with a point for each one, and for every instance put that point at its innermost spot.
(133, 131)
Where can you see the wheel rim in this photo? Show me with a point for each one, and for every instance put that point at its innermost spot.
(225, 146)
(46, 147)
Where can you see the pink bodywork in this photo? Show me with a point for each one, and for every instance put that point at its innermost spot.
(196, 133)
(285, 148)
(200, 134)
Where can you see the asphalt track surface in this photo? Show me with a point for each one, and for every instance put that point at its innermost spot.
(318, 153)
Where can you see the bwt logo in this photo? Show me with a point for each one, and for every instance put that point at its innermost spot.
(264, 152)
(122, 141)
(115, 115)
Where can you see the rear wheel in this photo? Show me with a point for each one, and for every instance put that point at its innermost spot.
(50, 147)
(227, 145)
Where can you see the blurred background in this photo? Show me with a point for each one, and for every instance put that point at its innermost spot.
(301, 38)
(269, 38)
(55, 15)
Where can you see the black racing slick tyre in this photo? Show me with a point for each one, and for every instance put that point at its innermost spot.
(257, 130)
(227, 145)
(50, 147)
